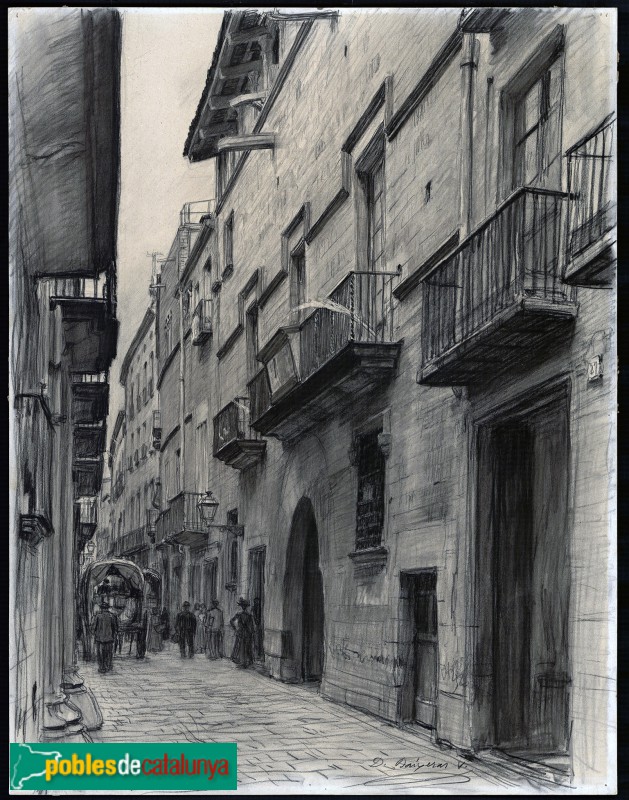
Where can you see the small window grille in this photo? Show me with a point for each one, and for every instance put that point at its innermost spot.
(370, 502)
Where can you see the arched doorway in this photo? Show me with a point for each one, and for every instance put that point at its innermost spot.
(303, 597)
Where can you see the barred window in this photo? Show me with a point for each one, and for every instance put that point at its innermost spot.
(370, 502)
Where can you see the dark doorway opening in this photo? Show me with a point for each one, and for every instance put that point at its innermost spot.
(419, 640)
(257, 556)
(210, 571)
(523, 568)
(303, 599)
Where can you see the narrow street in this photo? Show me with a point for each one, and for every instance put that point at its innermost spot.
(288, 737)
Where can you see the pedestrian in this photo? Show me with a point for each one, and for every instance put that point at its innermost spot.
(185, 628)
(214, 628)
(256, 613)
(165, 621)
(154, 642)
(105, 633)
(199, 636)
(142, 633)
(243, 625)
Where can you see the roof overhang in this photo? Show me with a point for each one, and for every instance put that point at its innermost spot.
(234, 73)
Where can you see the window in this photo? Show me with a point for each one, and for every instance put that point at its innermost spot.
(371, 224)
(375, 212)
(370, 502)
(178, 472)
(144, 437)
(233, 562)
(167, 480)
(151, 373)
(131, 403)
(187, 300)
(275, 51)
(168, 332)
(225, 169)
(201, 460)
(145, 384)
(252, 342)
(228, 241)
(537, 131)
(298, 280)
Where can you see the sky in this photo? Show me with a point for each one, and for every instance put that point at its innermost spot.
(165, 58)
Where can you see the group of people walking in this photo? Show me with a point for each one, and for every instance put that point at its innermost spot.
(198, 631)
(201, 631)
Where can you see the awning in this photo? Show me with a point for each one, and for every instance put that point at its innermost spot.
(98, 571)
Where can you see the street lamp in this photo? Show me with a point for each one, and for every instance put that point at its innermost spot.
(208, 506)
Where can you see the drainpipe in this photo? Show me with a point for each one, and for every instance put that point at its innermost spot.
(469, 64)
(182, 417)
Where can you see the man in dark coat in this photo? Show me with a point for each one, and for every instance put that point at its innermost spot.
(141, 635)
(105, 633)
(185, 628)
(243, 625)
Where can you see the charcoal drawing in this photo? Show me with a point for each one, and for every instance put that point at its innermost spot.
(313, 413)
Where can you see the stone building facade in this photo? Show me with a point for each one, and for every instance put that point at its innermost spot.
(134, 509)
(395, 333)
(63, 218)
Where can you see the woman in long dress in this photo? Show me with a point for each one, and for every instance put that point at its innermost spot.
(243, 625)
(154, 640)
(214, 630)
(199, 636)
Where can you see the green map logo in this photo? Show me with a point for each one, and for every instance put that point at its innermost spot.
(29, 761)
(121, 767)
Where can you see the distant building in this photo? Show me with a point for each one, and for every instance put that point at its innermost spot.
(136, 503)
(64, 69)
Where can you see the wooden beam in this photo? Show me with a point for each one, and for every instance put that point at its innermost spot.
(218, 103)
(242, 99)
(252, 141)
(237, 71)
(210, 131)
(249, 34)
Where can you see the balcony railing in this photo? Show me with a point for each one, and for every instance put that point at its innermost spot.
(359, 310)
(235, 442)
(183, 517)
(343, 349)
(81, 288)
(132, 541)
(90, 397)
(157, 430)
(88, 510)
(259, 394)
(510, 264)
(202, 322)
(591, 206)
(194, 212)
(90, 377)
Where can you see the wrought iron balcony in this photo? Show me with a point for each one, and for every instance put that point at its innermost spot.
(132, 542)
(498, 301)
(193, 213)
(90, 397)
(343, 350)
(182, 523)
(592, 209)
(87, 476)
(86, 519)
(202, 322)
(157, 430)
(34, 426)
(236, 443)
(88, 312)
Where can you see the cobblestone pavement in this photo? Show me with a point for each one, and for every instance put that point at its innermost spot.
(290, 740)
